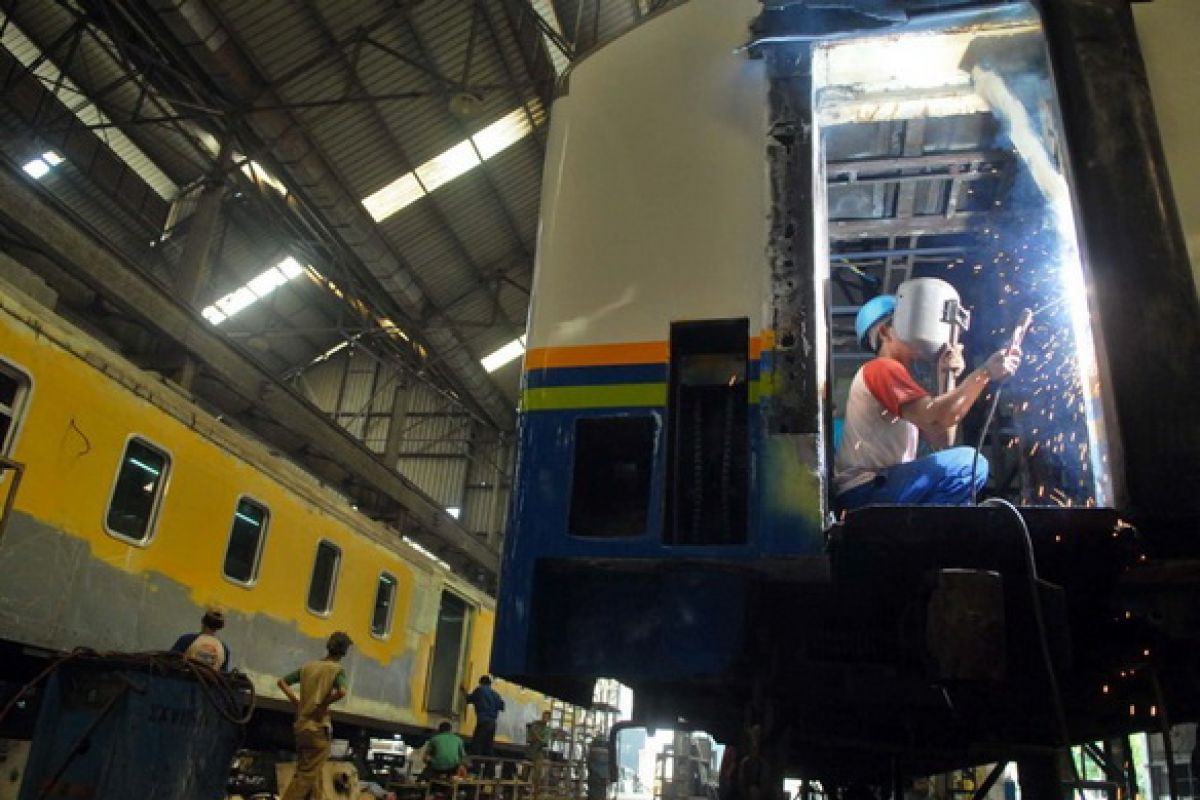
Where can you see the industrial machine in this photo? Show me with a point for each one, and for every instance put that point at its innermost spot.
(725, 184)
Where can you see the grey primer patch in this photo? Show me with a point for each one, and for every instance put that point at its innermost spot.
(55, 595)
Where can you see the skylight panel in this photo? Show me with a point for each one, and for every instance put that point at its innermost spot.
(267, 282)
(236, 300)
(504, 132)
(36, 168)
(290, 267)
(443, 168)
(400, 193)
(448, 165)
(509, 352)
(262, 285)
(257, 173)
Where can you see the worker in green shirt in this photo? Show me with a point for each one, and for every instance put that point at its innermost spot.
(444, 752)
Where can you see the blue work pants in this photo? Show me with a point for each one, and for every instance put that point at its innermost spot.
(940, 479)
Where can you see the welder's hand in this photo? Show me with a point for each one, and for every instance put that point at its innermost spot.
(951, 360)
(1003, 363)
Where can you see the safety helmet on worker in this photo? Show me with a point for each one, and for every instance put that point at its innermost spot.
(873, 311)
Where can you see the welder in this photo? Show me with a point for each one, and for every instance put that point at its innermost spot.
(888, 412)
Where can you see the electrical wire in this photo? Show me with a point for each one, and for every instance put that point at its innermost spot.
(1039, 621)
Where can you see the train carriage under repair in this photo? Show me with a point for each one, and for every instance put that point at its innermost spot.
(169, 510)
(722, 192)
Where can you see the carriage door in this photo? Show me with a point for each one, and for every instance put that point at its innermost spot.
(707, 436)
(449, 652)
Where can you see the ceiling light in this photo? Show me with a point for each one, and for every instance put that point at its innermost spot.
(509, 352)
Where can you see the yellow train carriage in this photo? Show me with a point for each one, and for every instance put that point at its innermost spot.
(137, 509)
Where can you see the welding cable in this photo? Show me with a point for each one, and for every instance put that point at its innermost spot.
(987, 423)
(1039, 621)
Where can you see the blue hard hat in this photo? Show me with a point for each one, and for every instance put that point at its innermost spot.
(873, 310)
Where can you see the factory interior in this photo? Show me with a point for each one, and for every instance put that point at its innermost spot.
(599, 399)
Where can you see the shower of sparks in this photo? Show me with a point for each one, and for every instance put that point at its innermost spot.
(1053, 402)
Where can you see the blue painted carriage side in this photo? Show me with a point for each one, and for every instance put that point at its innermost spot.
(547, 567)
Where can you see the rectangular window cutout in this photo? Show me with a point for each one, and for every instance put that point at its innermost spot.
(136, 496)
(246, 539)
(610, 479)
(324, 577)
(449, 652)
(707, 434)
(385, 601)
(14, 387)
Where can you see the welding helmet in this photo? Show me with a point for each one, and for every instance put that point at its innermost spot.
(873, 311)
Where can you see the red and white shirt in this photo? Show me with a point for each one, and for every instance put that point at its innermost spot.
(874, 436)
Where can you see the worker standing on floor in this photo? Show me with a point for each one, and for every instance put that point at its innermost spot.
(488, 705)
(888, 412)
(322, 683)
(204, 647)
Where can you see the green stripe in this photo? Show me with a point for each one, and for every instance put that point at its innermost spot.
(617, 395)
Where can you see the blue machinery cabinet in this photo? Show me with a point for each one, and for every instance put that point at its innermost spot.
(118, 729)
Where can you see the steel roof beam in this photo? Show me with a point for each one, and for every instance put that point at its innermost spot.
(24, 209)
(219, 51)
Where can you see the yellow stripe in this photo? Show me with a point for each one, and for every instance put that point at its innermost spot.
(615, 396)
(620, 395)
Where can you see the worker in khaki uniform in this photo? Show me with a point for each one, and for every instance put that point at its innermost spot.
(322, 683)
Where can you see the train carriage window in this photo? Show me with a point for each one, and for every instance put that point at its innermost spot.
(137, 493)
(14, 386)
(610, 478)
(324, 577)
(246, 538)
(385, 600)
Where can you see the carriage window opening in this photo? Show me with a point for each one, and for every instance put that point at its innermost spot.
(707, 433)
(385, 598)
(449, 653)
(138, 492)
(610, 481)
(246, 537)
(324, 577)
(14, 386)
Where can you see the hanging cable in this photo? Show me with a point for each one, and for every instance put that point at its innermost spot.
(1039, 621)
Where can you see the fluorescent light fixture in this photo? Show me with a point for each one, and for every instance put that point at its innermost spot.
(52, 158)
(260, 286)
(453, 511)
(448, 165)
(513, 350)
(36, 168)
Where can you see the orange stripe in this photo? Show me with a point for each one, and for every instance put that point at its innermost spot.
(600, 355)
(596, 355)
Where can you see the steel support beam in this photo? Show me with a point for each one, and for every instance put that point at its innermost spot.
(928, 225)
(1142, 292)
(24, 209)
